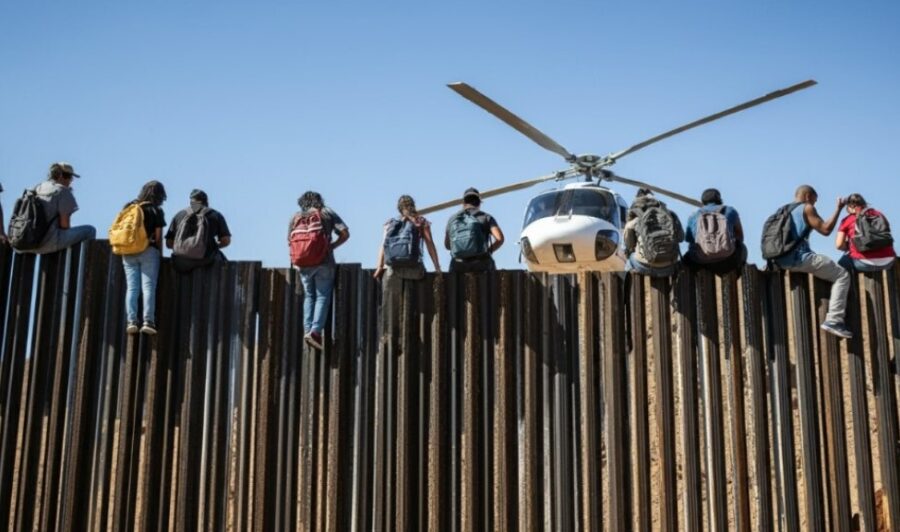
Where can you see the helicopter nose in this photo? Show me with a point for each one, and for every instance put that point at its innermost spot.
(606, 243)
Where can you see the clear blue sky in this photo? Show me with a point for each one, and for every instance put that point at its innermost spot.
(257, 102)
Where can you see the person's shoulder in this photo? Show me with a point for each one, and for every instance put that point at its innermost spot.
(847, 221)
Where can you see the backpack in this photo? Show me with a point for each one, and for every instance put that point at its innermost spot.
(468, 236)
(714, 238)
(308, 242)
(28, 225)
(402, 243)
(127, 234)
(872, 232)
(192, 235)
(779, 234)
(657, 235)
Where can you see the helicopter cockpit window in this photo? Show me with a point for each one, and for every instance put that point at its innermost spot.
(585, 202)
(594, 203)
(544, 206)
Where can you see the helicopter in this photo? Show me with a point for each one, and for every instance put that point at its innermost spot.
(578, 227)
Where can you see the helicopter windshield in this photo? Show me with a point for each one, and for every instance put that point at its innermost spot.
(579, 201)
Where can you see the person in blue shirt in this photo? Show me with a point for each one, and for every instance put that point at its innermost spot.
(707, 255)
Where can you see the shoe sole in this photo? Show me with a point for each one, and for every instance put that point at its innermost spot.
(148, 332)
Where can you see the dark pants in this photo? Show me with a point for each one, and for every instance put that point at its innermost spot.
(733, 263)
(485, 264)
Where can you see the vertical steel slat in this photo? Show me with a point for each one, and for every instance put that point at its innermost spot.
(665, 407)
(438, 409)
(471, 397)
(614, 390)
(639, 414)
(591, 494)
(780, 375)
(838, 488)
(885, 402)
(687, 359)
(530, 487)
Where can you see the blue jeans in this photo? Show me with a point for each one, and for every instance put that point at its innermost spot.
(141, 274)
(851, 264)
(634, 265)
(58, 239)
(318, 283)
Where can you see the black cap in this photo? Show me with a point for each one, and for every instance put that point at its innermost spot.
(471, 192)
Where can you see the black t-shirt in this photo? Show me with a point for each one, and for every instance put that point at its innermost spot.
(218, 227)
(154, 218)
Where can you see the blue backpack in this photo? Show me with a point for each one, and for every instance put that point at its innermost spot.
(468, 236)
(402, 244)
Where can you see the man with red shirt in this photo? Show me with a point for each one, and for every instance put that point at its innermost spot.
(871, 260)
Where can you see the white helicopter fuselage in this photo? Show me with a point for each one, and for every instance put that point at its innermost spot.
(572, 229)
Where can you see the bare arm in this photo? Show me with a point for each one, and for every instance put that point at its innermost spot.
(447, 240)
(3, 238)
(224, 241)
(823, 227)
(342, 237)
(157, 234)
(432, 252)
(379, 264)
(170, 242)
(498, 238)
(841, 241)
(64, 220)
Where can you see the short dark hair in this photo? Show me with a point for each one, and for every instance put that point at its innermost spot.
(643, 192)
(856, 200)
(406, 205)
(153, 192)
(711, 196)
(310, 200)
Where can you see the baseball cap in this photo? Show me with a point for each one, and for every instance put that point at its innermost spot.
(471, 192)
(64, 168)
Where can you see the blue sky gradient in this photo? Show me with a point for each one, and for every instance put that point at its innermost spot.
(256, 103)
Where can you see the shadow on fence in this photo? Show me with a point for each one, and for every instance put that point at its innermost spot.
(503, 401)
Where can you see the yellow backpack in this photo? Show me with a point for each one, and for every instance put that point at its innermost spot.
(127, 234)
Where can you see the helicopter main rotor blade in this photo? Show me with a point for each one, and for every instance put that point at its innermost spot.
(470, 93)
(730, 111)
(498, 191)
(654, 188)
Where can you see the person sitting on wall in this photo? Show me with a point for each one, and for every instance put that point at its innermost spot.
(715, 236)
(651, 236)
(865, 237)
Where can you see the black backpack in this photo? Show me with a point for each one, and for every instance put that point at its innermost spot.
(28, 224)
(779, 234)
(872, 232)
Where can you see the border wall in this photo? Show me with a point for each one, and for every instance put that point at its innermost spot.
(507, 401)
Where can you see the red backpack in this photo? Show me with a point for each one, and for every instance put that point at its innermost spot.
(308, 242)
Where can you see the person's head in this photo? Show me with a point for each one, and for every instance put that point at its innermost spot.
(806, 194)
(856, 203)
(472, 197)
(406, 206)
(153, 192)
(198, 196)
(310, 200)
(641, 192)
(62, 173)
(711, 196)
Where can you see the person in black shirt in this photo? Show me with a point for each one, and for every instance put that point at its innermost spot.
(218, 235)
(142, 269)
(455, 238)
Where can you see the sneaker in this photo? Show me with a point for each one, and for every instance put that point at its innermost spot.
(149, 328)
(837, 329)
(314, 339)
(132, 327)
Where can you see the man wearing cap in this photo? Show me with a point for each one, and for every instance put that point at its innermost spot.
(458, 238)
(696, 257)
(218, 235)
(59, 203)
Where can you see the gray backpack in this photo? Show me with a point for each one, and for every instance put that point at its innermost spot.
(714, 240)
(192, 235)
(657, 235)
